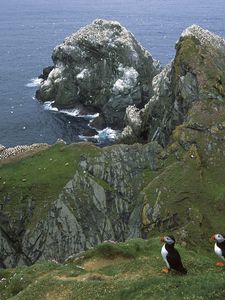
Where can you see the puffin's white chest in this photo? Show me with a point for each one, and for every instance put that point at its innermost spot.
(218, 251)
(164, 254)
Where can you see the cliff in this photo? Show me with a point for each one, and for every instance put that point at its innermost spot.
(194, 78)
(66, 199)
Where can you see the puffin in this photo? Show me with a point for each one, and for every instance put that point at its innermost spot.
(219, 248)
(171, 256)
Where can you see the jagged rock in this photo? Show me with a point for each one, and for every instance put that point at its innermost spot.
(125, 191)
(195, 75)
(101, 202)
(103, 66)
(148, 123)
(46, 71)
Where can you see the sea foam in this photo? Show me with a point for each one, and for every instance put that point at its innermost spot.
(106, 135)
(34, 82)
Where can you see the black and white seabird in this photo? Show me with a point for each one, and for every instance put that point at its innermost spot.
(171, 256)
(219, 248)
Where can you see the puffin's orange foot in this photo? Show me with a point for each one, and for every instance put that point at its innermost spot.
(220, 264)
(165, 270)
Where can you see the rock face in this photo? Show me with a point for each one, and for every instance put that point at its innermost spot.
(68, 198)
(101, 66)
(196, 74)
(101, 202)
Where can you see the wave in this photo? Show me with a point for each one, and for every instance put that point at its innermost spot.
(48, 106)
(34, 82)
(106, 135)
(74, 112)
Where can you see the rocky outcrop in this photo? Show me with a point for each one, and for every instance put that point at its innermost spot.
(196, 74)
(101, 202)
(100, 66)
(69, 198)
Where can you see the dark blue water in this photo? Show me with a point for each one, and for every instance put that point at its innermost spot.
(30, 29)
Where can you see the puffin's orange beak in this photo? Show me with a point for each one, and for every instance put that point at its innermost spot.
(162, 239)
(213, 238)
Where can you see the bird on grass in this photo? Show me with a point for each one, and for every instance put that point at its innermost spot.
(171, 256)
(219, 248)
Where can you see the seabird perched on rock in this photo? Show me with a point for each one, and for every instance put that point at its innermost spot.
(171, 256)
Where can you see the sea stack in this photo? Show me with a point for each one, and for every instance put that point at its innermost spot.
(101, 66)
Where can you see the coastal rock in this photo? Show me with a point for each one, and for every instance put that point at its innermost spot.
(46, 71)
(195, 75)
(101, 202)
(100, 66)
(76, 196)
(90, 132)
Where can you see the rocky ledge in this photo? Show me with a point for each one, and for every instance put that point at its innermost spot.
(101, 66)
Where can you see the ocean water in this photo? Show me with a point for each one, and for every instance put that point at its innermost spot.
(30, 29)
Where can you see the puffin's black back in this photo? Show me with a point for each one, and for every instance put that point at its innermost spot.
(222, 247)
(174, 259)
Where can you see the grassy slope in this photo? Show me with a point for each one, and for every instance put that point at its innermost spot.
(40, 178)
(129, 270)
(195, 183)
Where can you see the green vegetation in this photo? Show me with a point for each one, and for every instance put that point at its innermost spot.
(35, 182)
(130, 270)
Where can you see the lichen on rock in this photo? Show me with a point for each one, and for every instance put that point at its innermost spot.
(195, 75)
(101, 66)
(69, 198)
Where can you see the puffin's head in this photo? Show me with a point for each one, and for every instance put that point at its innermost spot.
(218, 238)
(168, 239)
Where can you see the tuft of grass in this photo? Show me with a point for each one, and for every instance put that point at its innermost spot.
(130, 249)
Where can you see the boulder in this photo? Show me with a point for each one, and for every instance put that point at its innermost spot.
(46, 71)
(102, 66)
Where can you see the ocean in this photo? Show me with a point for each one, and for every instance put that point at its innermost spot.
(30, 29)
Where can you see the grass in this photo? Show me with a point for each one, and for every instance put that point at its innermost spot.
(130, 270)
(40, 178)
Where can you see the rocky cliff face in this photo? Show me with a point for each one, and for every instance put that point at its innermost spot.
(68, 198)
(195, 75)
(101, 201)
(100, 66)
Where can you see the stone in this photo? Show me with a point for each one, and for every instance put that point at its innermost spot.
(196, 75)
(101, 66)
(46, 72)
(90, 132)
